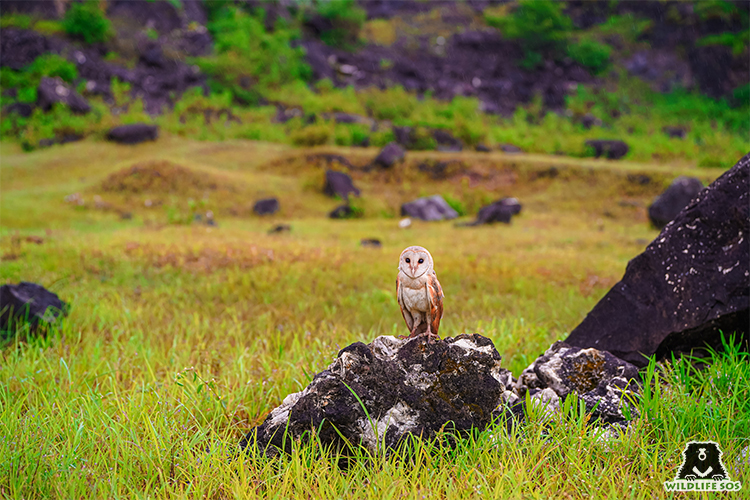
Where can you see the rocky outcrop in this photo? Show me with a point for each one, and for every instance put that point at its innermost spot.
(134, 133)
(339, 184)
(28, 303)
(377, 394)
(55, 90)
(673, 200)
(691, 283)
(429, 208)
(19, 48)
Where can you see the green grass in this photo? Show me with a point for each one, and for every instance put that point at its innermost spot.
(180, 338)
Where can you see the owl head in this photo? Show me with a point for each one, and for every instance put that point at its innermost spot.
(415, 261)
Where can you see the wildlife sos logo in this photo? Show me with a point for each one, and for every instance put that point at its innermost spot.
(702, 470)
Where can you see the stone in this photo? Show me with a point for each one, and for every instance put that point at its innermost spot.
(691, 283)
(28, 302)
(339, 184)
(55, 90)
(614, 150)
(391, 154)
(19, 47)
(500, 211)
(482, 148)
(20, 108)
(371, 242)
(510, 148)
(266, 206)
(404, 223)
(588, 120)
(342, 212)
(429, 208)
(409, 387)
(671, 202)
(605, 383)
(133, 134)
(676, 132)
(280, 228)
(446, 141)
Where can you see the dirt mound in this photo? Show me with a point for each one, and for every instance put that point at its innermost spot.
(160, 177)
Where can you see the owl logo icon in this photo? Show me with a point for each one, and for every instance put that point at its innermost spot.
(702, 470)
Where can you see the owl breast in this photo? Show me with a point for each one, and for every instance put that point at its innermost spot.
(416, 299)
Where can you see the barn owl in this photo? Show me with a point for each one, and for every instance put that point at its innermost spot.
(420, 295)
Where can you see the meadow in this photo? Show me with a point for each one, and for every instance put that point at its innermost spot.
(182, 336)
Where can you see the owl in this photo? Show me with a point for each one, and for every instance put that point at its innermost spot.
(420, 295)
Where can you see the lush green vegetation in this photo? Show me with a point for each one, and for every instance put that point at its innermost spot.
(86, 20)
(181, 336)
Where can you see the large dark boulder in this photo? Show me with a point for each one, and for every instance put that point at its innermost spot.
(19, 48)
(673, 200)
(500, 211)
(339, 184)
(54, 90)
(407, 386)
(266, 206)
(691, 283)
(390, 155)
(446, 141)
(614, 150)
(429, 208)
(28, 302)
(134, 133)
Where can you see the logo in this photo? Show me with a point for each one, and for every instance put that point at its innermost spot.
(702, 470)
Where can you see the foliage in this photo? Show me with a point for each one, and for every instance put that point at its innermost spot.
(249, 59)
(738, 42)
(539, 25)
(312, 135)
(86, 20)
(347, 19)
(590, 54)
(27, 79)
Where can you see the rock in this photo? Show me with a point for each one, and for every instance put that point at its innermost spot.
(134, 133)
(371, 242)
(403, 135)
(342, 212)
(614, 150)
(53, 90)
(390, 155)
(408, 386)
(676, 132)
(350, 118)
(500, 211)
(689, 284)
(339, 184)
(19, 48)
(483, 148)
(429, 208)
(588, 120)
(267, 206)
(510, 148)
(404, 223)
(20, 108)
(28, 302)
(281, 228)
(671, 202)
(446, 141)
(597, 377)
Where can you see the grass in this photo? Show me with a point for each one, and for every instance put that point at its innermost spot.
(181, 337)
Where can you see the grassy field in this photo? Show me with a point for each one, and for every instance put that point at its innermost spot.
(182, 336)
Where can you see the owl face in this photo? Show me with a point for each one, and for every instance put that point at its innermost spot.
(415, 261)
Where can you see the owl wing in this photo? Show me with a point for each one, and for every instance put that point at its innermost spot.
(400, 295)
(435, 294)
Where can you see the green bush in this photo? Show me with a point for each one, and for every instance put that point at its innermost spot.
(27, 80)
(591, 54)
(312, 135)
(347, 19)
(86, 20)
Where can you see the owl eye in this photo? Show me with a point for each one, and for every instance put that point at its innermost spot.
(408, 260)
(421, 261)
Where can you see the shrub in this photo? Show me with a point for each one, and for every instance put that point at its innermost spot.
(27, 80)
(591, 54)
(312, 135)
(347, 19)
(86, 20)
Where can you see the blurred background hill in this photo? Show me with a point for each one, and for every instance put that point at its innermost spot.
(670, 79)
